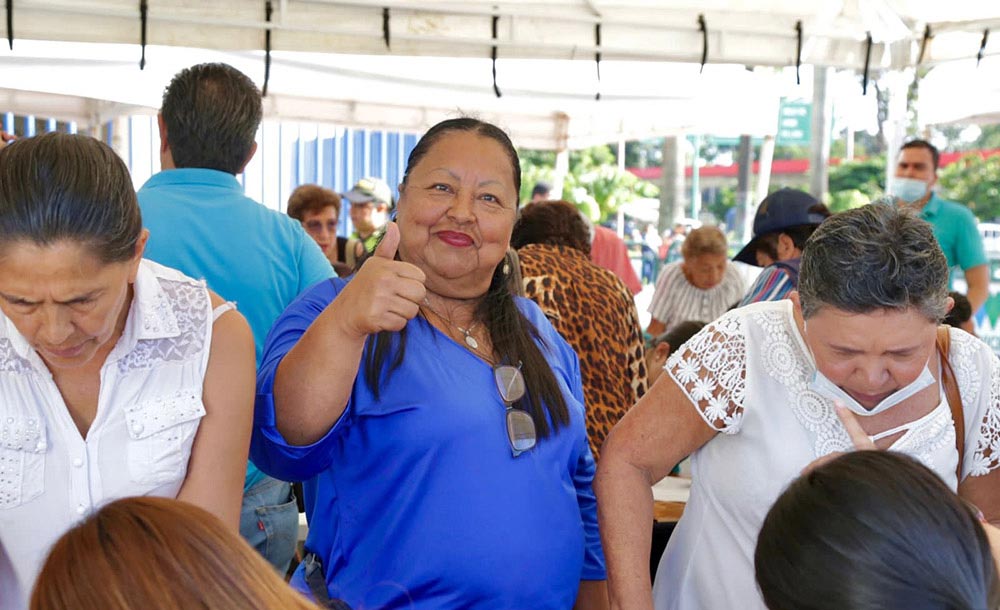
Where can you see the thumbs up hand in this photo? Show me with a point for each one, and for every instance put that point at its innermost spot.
(385, 293)
(389, 243)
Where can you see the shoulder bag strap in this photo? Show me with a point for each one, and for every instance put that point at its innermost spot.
(951, 393)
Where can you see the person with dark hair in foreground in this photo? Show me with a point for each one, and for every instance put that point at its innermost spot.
(437, 420)
(874, 530)
(751, 399)
(121, 377)
(158, 554)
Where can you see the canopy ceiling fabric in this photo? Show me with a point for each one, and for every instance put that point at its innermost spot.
(331, 62)
(547, 104)
(754, 32)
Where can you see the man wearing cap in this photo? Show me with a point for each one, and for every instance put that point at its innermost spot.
(784, 221)
(955, 227)
(370, 200)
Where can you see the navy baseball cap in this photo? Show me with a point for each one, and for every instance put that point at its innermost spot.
(782, 209)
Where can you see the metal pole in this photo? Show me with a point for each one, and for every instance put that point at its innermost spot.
(744, 197)
(819, 154)
(764, 168)
(695, 177)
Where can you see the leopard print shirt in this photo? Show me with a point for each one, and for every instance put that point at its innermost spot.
(594, 311)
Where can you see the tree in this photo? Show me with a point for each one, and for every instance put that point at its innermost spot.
(989, 138)
(975, 182)
(644, 153)
(856, 183)
(594, 183)
(864, 175)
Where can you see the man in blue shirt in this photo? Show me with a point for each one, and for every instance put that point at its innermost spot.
(201, 223)
(955, 227)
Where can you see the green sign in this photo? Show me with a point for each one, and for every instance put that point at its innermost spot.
(794, 122)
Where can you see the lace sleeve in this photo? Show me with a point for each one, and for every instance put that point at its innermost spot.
(711, 371)
(986, 454)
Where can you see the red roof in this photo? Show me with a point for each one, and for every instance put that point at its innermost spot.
(784, 166)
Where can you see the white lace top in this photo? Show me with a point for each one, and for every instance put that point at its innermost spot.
(148, 411)
(748, 376)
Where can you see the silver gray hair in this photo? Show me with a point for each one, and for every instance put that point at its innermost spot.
(875, 257)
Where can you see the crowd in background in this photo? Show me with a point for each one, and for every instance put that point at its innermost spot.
(463, 393)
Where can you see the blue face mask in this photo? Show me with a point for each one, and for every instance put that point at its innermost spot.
(909, 190)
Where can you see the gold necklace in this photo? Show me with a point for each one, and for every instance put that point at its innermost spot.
(467, 332)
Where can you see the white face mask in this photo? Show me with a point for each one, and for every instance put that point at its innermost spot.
(909, 190)
(824, 387)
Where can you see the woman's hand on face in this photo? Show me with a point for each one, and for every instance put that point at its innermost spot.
(385, 294)
(860, 439)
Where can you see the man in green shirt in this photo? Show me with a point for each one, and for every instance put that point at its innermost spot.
(371, 200)
(955, 227)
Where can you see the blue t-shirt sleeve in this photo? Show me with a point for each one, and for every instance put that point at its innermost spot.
(583, 481)
(583, 470)
(969, 250)
(269, 451)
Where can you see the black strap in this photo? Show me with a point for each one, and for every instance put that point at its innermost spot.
(268, 10)
(703, 27)
(385, 27)
(868, 63)
(493, 55)
(143, 20)
(798, 51)
(316, 579)
(923, 44)
(597, 58)
(10, 24)
(979, 55)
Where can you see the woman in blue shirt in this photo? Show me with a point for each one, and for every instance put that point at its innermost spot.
(436, 419)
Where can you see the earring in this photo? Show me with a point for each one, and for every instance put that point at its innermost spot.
(506, 268)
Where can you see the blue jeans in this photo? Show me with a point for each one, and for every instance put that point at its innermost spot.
(269, 521)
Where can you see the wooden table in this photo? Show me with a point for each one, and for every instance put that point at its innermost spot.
(669, 498)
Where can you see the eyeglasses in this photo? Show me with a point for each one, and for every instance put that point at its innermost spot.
(316, 226)
(520, 427)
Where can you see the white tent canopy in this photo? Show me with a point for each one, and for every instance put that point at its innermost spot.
(757, 32)
(331, 63)
(547, 104)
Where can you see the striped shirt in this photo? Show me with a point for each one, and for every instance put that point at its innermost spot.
(773, 284)
(676, 300)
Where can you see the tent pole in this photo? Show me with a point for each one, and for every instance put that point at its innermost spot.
(764, 168)
(672, 189)
(744, 196)
(696, 176)
(819, 148)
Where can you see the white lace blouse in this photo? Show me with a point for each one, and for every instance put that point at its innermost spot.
(748, 376)
(148, 411)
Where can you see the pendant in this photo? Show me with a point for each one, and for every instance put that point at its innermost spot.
(471, 342)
